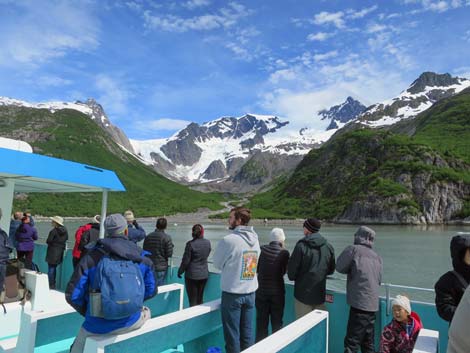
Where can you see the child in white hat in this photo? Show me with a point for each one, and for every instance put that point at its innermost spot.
(400, 335)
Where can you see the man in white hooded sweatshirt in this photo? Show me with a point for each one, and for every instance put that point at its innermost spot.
(236, 256)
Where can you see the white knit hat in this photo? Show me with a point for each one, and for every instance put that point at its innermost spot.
(277, 234)
(402, 301)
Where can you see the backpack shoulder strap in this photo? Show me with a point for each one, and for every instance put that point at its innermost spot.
(461, 279)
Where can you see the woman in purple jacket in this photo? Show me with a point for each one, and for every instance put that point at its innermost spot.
(25, 236)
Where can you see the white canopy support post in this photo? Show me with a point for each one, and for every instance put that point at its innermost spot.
(104, 205)
(7, 188)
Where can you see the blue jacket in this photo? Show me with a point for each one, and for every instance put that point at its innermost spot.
(136, 232)
(77, 294)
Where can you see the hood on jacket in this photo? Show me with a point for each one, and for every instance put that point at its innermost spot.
(313, 240)
(121, 246)
(61, 230)
(458, 246)
(364, 236)
(247, 233)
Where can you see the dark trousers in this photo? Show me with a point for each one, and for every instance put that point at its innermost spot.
(75, 261)
(195, 290)
(28, 258)
(160, 277)
(3, 272)
(51, 274)
(360, 332)
(268, 307)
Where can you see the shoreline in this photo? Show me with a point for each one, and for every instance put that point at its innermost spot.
(193, 218)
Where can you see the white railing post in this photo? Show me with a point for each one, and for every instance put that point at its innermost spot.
(104, 205)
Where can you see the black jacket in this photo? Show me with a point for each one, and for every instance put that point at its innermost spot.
(449, 289)
(272, 267)
(5, 248)
(194, 261)
(159, 244)
(312, 260)
(56, 245)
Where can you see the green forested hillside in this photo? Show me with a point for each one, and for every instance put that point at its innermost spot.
(418, 172)
(71, 135)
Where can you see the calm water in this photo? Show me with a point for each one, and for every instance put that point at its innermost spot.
(413, 255)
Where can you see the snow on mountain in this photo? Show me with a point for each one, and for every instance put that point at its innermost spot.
(426, 90)
(51, 106)
(215, 150)
(91, 108)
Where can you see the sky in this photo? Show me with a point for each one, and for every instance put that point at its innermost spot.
(155, 66)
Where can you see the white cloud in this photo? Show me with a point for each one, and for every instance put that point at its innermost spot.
(42, 31)
(239, 51)
(335, 18)
(162, 124)
(224, 18)
(376, 27)
(325, 56)
(114, 96)
(282, 75)
(193, 4)
(52, 81)
(353, 14)
(437, 5)
(134, 5)
(323, 85)
(319, 36)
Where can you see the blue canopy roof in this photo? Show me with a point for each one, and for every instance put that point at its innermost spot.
(35, 173)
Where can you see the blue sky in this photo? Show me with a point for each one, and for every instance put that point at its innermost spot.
(155, 65)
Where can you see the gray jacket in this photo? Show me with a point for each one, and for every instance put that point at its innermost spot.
(459, 339)
(364, 269)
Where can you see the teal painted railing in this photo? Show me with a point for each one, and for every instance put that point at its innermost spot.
(339, 310)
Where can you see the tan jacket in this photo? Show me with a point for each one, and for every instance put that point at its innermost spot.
(459, 339)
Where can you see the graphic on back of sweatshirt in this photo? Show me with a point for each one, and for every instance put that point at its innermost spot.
(249, 264)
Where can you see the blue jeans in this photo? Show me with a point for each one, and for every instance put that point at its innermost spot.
(51, 272)
(237, 320)
(160, 277)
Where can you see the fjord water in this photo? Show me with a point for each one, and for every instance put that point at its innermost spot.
(413, 255)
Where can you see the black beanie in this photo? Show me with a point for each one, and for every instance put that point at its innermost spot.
(312, 224)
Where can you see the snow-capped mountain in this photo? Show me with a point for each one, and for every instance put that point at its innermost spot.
(342, 113)
(214, 150)
(91, 108)
(426, 90)
(218, 150)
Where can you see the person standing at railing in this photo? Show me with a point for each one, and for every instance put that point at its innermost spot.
(194, 265)
(136, 232)
(451, 286)
(56, 242)
(5, 250)
(312, 260)
(160, 246)
(364, 269)
(15, 222)
(270, 296)
(25, 236)
(84, 235)
(236, 256)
